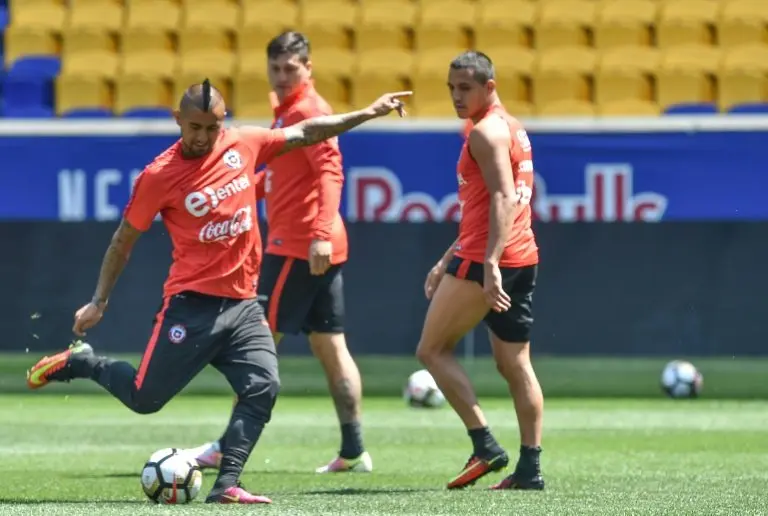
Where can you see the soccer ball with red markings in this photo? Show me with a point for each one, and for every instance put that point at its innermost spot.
(681, 379)
(422, 391)
(171, 478)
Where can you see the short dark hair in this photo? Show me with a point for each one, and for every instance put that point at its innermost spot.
(290, 42)
(480, 64)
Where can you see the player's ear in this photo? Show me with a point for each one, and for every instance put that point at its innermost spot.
(490, 86)
(309, 67)
(177, 117)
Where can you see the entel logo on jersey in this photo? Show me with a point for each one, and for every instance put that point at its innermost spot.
(200, 203)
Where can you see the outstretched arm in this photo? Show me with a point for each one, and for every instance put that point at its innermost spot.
(314, 130)
(114, 261)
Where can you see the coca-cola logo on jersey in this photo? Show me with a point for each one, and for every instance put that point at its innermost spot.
(216, 231)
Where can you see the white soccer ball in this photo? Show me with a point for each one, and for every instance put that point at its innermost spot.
(171, 478)
(681, 379)
(422, 391)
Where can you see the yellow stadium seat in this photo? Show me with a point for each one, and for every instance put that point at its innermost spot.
(140, 39)
(254, 63)
(210, 14)
(385, 25)
(250, 96)
(436, 60)
(439, 108)
(686, 22)
(743, 77)
(687, 75)
(81, 91)
(333, 60)
(101, 14)
(567, 107)
(565, 23)
(270, 16)
(156, 14)
(504, 23)
(329, 23)
(431, 95)
(519, 109)
(252, 50)
(626, 73)
(446, 23)
(514, 68)
(365, 91)
(743, 22)
(97, 63)
(136, 91)
(375, 64)
(21, 41)
(625, 23)
(333, 89)
(564, 74)
(631, 107)
(38, 14)
(152, 63)
(75, 41)
(197, 39)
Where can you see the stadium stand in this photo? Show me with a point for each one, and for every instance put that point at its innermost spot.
(553, 57)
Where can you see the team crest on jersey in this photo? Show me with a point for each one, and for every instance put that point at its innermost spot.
(232, 159)
(177, 334)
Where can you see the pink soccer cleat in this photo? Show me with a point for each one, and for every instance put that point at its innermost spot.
(362, 464)
(238, 495)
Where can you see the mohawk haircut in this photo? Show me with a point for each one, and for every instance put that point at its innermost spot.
(478, 63)
(203, 97)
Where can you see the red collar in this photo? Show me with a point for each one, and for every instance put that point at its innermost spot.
(302, 91)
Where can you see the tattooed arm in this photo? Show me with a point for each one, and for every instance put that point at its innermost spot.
(114, 261)
(314, 130)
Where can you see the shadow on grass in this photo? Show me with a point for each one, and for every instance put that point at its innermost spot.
(25, 501)
(370, 491)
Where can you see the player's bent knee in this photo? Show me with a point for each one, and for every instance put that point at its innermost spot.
(261, 397)
(144, 406)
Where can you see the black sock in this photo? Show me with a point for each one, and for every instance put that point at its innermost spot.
(243, 432)
(351, 440)
(483, 442)
(529, 463)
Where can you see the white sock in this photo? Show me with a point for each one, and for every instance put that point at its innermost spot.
(203, 449)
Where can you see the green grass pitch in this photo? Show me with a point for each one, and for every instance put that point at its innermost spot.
(71, 450)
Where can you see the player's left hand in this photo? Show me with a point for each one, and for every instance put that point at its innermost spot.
(497, 299)
(320, 252)
(389, 102)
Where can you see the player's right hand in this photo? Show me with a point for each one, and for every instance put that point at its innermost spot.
(433, 279)
(389, 102)
(87, 317)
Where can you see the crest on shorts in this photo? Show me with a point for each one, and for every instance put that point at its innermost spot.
(232, 159)
(177, 334)
(278, 123)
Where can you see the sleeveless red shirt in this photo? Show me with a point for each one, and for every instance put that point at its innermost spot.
(520, 249)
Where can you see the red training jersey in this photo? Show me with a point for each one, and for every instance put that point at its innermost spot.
(207, 206)
(302, 188)
(520, 248)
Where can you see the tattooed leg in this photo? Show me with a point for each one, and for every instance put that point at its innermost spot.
(345, 385)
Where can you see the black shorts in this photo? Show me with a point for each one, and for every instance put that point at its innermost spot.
(515, 324)
(192, 330)
(295, 301)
